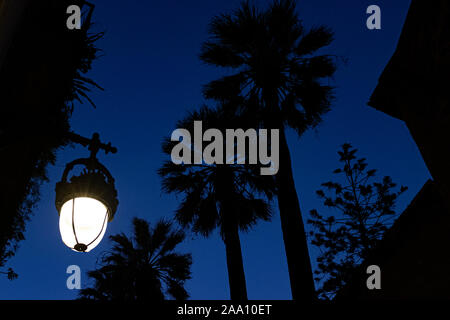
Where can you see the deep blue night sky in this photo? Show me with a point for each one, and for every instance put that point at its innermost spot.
(152, 76)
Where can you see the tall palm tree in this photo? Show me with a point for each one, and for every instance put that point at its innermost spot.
(273, 67)
(228, 197)
(142, 268)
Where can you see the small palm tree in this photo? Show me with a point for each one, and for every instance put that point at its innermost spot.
(144, 268)
(270, 62)
(228, 197)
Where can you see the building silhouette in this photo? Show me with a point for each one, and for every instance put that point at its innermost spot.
(414, 87)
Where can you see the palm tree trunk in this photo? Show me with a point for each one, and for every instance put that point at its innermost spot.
(236, 275)
(296, 246)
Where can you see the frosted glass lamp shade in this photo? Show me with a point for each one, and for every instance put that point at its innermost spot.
(82, 223)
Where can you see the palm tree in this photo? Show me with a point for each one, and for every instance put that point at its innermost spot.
(144, 268)
(273, 67)
(228, 197)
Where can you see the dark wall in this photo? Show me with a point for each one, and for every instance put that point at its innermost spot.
(413, 255)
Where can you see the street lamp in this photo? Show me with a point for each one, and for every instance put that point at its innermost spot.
(86, 198)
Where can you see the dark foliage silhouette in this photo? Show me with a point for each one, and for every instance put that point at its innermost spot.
(10, 274)
(228, 197)
(366, 210)
(275, 70)
(142, 268)
(37, 92)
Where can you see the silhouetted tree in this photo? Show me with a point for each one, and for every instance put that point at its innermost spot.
(37, 92)
(366, 210)
(142, 268)
(10, 274)
(273, 66)
(230, 197)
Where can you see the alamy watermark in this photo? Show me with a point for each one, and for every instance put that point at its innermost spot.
(74, 20)
(374, 20)
(74, 280)
(186, 152)
(374, 280)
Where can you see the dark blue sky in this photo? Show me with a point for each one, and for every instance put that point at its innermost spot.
(152, 76)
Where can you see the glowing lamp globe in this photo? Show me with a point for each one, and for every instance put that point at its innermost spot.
(82, 223)
(86, 203)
